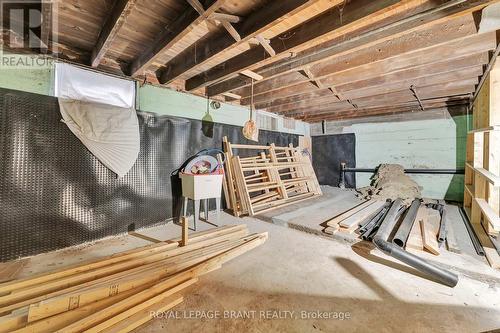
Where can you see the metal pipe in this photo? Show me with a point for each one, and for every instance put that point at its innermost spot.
(414, 171)
(442, 228)
(375, 219)
(380, 241)
(404, 229)
(472, 234)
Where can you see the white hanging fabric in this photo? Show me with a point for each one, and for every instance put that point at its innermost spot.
(76, 83)
(111, 133)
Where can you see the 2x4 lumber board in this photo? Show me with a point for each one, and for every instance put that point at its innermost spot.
(492, 218)
(94, 292)
(225, 17)
(144, 237)
(10, 270)
(430, 229)
(115, 259)
(116, 19)
(173, 35)
(252, 75)
(207, 244)
(308, 34)
(142, 317)
(354, 220)
(344, 44)
(415, 239)
(122, 310)
(339, 218)
(51, 324)
(194, 57)
(185, 231)
(224, 183)
(487, 129)
(451, 240)
(241, 186)
(490, 177)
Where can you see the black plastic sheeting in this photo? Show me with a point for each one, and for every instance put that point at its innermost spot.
(328, 152)
(54, 193)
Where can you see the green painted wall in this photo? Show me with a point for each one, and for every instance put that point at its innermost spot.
(437, 143)
(161, 100)
(38, 79)
(169, 102)
(434, 144)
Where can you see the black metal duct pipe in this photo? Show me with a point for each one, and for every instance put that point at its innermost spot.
(472, 234)
(380, 241)
(404, 229)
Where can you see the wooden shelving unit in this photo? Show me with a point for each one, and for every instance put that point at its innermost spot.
(482, 167)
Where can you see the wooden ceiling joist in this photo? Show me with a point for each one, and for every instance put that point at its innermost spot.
(397, 109)
(357, 14)
(457, 53)
(385, 55)
(251, 26)
(431, 11)
(439, 90)
(173, 34)
(121, 10)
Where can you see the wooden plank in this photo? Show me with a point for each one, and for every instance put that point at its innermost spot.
(117, 18)
(120, 311)
(266, 45)
(185, 231)
(62, 283)
(451, 240)
(350, 42)
(489, 214)
(117, 258)
(10, 270)
(430, 229)
(489, 176)
(489, 248)
(144, 237)
(339, 218)
(132, 279)
(224, 183)
(225, 17)
(173, 35)
(196, 56)
(352, 222)
(252, 75)
(142, 317)
(415, 239)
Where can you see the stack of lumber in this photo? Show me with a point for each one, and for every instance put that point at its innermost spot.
(350, 220)
(423, 235)
(275, 177)
(118, 293)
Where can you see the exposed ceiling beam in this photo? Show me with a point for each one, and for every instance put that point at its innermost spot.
(173, 34)
(116, 19)
(488, 69)
(469, 75)
(387, 53)
(225, 23)
(305, 35)
(397, 109)
(456, 52)
(347, 42)
(196, 56)
(441, 90)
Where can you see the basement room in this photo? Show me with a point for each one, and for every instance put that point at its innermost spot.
(249, 166)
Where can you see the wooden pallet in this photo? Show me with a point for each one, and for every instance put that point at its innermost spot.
(275, 177)
(118, 293)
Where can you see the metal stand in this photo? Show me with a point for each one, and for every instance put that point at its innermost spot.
(206, 207)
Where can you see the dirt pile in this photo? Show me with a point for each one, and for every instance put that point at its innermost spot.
(391, 182)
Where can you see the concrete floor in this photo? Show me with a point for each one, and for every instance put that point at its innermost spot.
(297, 274)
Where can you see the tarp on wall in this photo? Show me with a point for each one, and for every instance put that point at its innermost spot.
(54, 193)
(110, 132)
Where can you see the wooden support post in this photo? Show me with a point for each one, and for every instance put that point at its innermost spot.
(185, 230)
